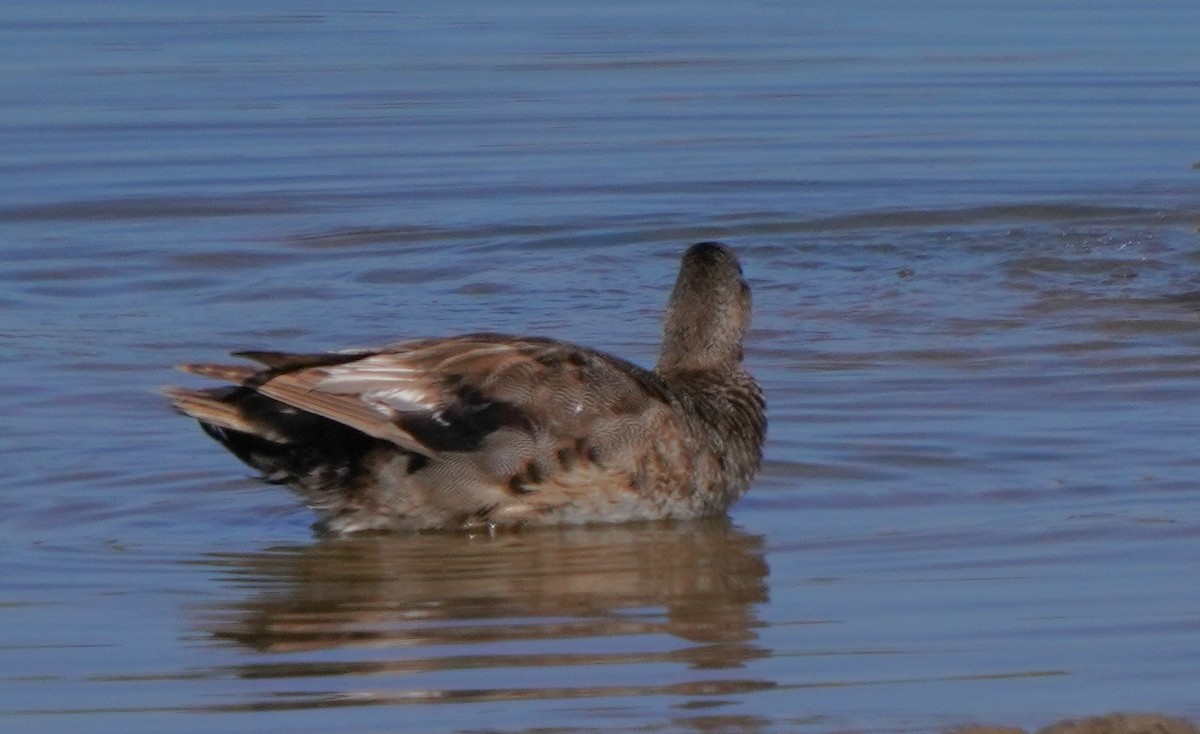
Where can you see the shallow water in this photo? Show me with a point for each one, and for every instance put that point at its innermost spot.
(972, 236)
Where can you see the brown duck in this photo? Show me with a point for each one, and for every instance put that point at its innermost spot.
(488, 430)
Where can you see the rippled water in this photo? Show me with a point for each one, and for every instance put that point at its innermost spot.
(972, 236)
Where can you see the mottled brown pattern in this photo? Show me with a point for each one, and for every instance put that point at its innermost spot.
(491, 429)
(566, 459)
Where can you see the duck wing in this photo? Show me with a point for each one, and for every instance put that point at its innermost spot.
(435, 396)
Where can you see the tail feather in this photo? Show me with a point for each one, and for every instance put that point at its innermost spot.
(317, 457)
(211, 407)
(229, 373)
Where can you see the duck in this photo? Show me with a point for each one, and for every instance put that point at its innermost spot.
(494, 431)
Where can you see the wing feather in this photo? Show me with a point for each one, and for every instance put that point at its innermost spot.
(436, 395)
(297, 389)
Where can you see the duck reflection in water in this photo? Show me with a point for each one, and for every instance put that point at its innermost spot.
(700, 582)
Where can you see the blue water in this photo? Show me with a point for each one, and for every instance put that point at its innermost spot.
(972, 235)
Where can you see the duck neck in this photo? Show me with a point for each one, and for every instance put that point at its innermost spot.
(695, 339)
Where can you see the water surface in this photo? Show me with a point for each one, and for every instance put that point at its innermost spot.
(972, 238)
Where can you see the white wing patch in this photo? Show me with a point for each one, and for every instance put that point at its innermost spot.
(391, 402)
(383, 383)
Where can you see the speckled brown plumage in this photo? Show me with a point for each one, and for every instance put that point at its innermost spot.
(490, 430)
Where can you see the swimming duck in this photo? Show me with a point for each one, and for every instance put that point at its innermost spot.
(491, 431)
